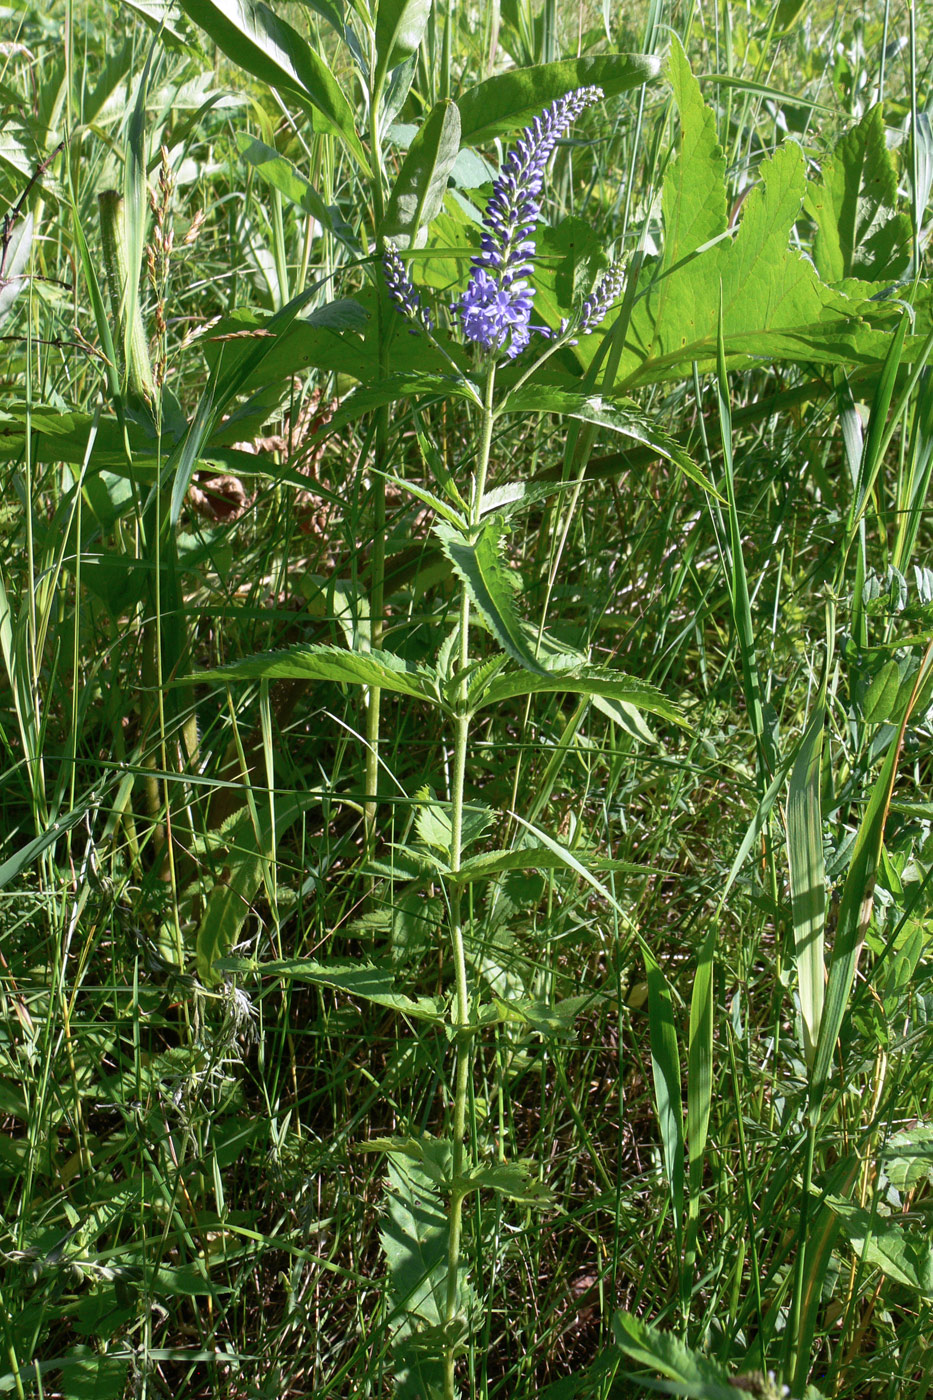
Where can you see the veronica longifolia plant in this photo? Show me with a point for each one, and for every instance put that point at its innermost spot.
(493, 313)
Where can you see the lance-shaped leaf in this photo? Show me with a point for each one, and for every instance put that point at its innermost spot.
(490, 863)
(616, 415)
(574, 679)
(265, 45)
(664, 1353)
(420, 186)
(500, 104)
(364, 980)
(400, 386)
(400, 26)
(327, 663)
(490, 583)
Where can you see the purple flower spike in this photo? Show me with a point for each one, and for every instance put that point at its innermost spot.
(495, 309)
(608, 290)
(401, 288)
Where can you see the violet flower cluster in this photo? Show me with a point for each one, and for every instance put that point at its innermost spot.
(495, 310)
(605, 294)
(402, 290)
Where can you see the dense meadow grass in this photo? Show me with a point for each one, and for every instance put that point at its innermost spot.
(466, 826)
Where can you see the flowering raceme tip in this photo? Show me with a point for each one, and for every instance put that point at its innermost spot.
(606, 292)
(495, 310)
(401, 288)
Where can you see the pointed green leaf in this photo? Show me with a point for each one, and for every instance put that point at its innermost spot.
(490, 863)
(414, 1239)
(265, 45)
(665, 1353)
(400, 386)
(547, 1018)
(665, 1065)
(328, 663)
(574, 679)
(516, 1180)
(400, 26)
(16, 260)
(617, 415)
(906, 1256)
(447, 512)
(480, 565)
(433, 822)
(231, 899)
(509, 100)
(858, 232)
(421, 184)
(367, 981)
(283, 176)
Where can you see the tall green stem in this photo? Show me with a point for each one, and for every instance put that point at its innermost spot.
(463, 1035)
(380, 454)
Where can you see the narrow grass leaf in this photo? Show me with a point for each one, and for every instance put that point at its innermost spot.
(665, 1065)
(265, 45)
(808, 879)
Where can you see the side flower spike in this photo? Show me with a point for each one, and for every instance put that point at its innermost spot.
(402, 290)
(607, 291)
(495, 309)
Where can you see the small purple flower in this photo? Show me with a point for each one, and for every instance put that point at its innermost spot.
(401, 288)
(608, 290)
(495, 309)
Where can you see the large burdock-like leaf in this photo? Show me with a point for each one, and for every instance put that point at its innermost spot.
(858, 232)
(774, 303)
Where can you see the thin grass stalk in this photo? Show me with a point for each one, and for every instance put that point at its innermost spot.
(380, 463)
(463, 1037)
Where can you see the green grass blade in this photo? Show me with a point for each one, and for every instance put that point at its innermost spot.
(807, 879)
